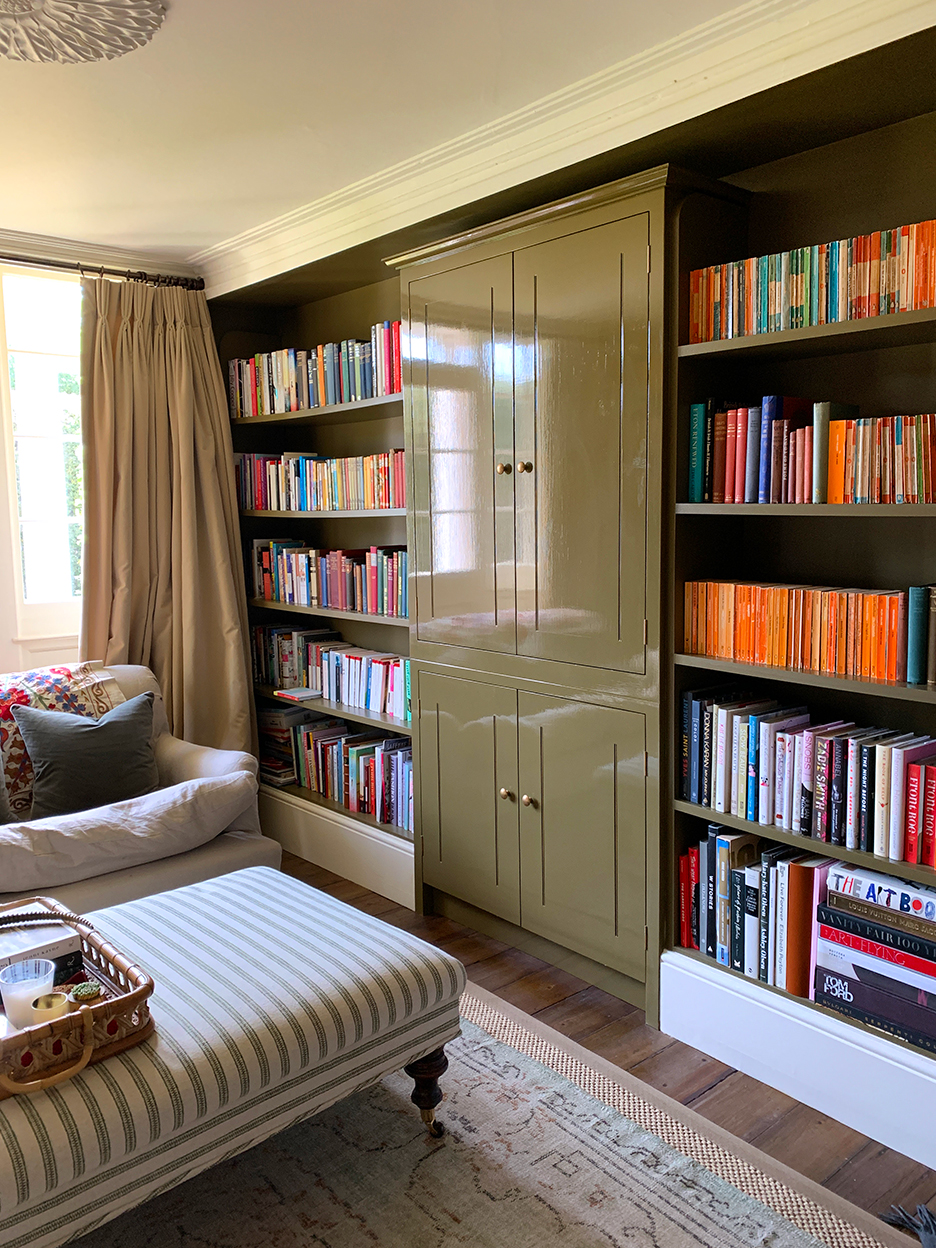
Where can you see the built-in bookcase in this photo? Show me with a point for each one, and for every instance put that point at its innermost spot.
(887, 365)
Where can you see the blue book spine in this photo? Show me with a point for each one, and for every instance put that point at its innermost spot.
(753, 744)
(814, 285)
(763, 294)
(329, 356)
(696, 451)
(768, 408)
(917, 634)
(898, 482)
(832, 284)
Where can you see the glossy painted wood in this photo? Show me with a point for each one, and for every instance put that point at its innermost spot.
(461, 369)
(583, 831)
(581, 393)
(468, 753)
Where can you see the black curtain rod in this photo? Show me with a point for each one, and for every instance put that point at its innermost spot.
(99, 270)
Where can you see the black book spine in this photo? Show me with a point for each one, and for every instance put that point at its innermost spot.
(710, 409)
(837, 791)
(711, 863)
(684, 746)
(736, 944)
(705, 785)
(857, 1008)
(763, 918)
(867, 929)
(866, 799)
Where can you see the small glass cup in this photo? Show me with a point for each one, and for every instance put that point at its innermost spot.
(20, 984)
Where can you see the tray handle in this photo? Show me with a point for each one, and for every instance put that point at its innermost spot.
(16, 1087)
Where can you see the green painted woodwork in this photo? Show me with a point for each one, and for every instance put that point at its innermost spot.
(581, 385)
(468, 753)
(583, 833)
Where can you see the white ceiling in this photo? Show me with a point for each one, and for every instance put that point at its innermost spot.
(240, 111)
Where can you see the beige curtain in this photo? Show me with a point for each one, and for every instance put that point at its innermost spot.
(163, 578)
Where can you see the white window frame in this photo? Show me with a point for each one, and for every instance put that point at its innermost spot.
(32, 634)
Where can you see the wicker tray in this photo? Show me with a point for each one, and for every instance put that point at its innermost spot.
(39, 1057)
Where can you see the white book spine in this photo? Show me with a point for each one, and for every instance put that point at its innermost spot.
(780, 763)
(783, 877)
(881, 799)
(897, 824)
(721, 747)
(772, 928)
(735, 721)
(795, 807)
(740, 809)
(751, 919)
(765, 776)
(788, 781)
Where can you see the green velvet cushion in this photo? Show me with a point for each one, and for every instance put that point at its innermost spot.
(81, 762)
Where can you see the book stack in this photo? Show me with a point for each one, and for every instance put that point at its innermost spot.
(295, 379)
(849, 279)
(876, 953)
(373, 581)
(319, 660)
(787, 450)
(751, 904)
(862, 634)
(314, 483)
(867, 788)
(366, 772)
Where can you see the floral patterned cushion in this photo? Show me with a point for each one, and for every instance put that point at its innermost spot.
(81, 688)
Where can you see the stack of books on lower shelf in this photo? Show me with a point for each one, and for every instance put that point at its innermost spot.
(857, 942)
(859, 633)
(318, 659)
(372, 581)
(866, 788)
(368, 772)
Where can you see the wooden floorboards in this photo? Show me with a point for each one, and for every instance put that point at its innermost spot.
(843, 1160)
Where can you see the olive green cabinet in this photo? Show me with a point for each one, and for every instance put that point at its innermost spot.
(533, 809)
(528, 396)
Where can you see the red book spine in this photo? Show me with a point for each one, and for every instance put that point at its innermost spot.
(719, 447)
(695, 305)
(397, 363)
(741, 432)
(912, 839)
(928, 848)
(731, 451)
(372, 605)
(693, 896)
(684, 938)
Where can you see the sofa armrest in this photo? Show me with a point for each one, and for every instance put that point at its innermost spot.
(178, 761)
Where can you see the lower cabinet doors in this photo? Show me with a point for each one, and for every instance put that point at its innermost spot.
(533, 808)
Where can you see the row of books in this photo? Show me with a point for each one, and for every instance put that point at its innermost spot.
(860, 943)
(303, 663)
(373, 581)
(867, 788)
(367, 772)
(787, 450)
(849, 279)
(315, 483)
(863, 634)
(294, 379)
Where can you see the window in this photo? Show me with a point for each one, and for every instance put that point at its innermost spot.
(40, 328)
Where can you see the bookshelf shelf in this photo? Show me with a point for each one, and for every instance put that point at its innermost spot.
(822, 511)
(872, 688)
(332, 612)
(326, 803)
(331, 414)
(900, 329)
(857, 857)
(356, 714)
(365, 514)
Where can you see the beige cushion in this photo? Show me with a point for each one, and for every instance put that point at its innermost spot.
(45, 852)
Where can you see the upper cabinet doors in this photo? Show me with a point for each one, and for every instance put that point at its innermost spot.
(529, 397)
(581, 361)
(461, 368)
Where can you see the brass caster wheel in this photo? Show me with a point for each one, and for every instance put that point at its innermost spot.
(437, 1129)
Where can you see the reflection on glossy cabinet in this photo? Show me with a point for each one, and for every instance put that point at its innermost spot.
(583, 828)
(581, 306)
(461, 394)
(467, 740)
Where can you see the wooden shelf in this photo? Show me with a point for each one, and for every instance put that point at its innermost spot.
(879, 511)
(897, 690)
(808, 844)
(365, 514)
(331, 612)
(901, 329)
(331, 414)
(326, 803)
(697, 956)
(356, 714)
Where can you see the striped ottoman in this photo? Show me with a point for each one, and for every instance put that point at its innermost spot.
(272, 1002)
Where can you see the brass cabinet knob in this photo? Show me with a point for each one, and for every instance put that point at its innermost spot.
(503, 470)
(524, 467)
(527, 800)
(505, 793)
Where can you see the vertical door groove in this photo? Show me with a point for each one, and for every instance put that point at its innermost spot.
(620, 509)
(617, 889)
(429, 426)
(542, 817)
(493, 472)
(438, 719)
(496, 803)
(536, 463)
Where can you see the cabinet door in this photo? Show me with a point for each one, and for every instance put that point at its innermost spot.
(581, 373)
(583, 833)
(468, 754)
(461, 371)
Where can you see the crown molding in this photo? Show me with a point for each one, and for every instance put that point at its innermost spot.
(72, 251)
(749, 49)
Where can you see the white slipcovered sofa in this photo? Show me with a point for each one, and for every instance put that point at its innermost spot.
(240, 844)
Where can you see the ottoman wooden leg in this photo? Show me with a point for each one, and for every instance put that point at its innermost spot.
(426, 1072)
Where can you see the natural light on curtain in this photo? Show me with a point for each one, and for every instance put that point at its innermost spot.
(43, 324)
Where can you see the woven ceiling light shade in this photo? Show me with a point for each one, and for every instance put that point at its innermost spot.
(67, 31)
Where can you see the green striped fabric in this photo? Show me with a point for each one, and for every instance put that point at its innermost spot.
(272, 1002)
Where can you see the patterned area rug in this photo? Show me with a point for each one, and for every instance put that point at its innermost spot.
(543, 1147)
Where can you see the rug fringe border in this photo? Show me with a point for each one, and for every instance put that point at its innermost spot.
(829, 1218)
